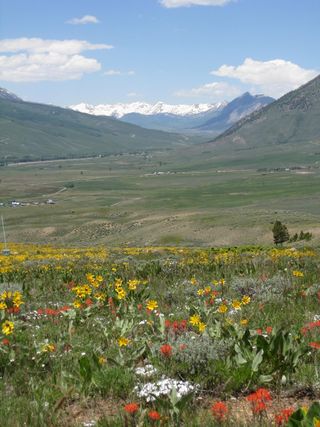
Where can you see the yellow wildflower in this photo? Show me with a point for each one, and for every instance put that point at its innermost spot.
(118, 283)
(243, 322)
(195, 320)
(201, 292)
(222, 308)
(297, 273)
(222, 282)
(193, 281)
(152, 305)
(245, 300)
(121, 293)
(102, 360)
(7, 327)
(132, 284)
(3, 305)
(201, 326)
(123, 342)
(48, 348)
(236, 304)
(76, 303)
(100, 296)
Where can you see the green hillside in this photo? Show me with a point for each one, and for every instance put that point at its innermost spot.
(30, 131)
(294, 118)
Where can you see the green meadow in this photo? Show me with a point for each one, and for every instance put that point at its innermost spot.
(159, 198)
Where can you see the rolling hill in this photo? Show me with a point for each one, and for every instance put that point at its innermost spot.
(31, 131)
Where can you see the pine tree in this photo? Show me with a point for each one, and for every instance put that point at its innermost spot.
(280, 233)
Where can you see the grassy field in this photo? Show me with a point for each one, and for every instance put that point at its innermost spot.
(159, 199)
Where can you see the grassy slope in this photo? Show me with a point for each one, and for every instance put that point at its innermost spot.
(36, 131)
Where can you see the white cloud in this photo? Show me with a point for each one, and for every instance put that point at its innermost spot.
(188, 3)
(216, 91)
(35, 59)
(87, 19)
(119, 73)
(275, 77)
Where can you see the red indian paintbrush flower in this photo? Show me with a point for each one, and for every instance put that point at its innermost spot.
(154, 415)
(131, 408)
(219, 410)
(166, 350)
(315, 344)
(282, 418)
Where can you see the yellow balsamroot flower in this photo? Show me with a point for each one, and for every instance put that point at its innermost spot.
(297, 273)
(121, 293)
(7, 327)
(222, 282)
(123, 342)
(201, 292)
(193, 281)
(90, 277)
(243, 322)
(132, 284)
(17, 299)
(201, 326)
(245, 300)
(102, 360)
(77, 303)
(195, 320)
(48, 348)
(152, 304)
(100, 296)
(222, 308)
(118, 283)
(236, 304)
(3, 305)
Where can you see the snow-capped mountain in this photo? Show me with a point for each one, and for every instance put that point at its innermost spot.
(120, 110)
(5, 94)
(192, 118)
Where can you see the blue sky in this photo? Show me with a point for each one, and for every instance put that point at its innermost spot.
(178, 51)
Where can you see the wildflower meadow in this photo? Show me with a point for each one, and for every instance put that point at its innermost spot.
(159, 336)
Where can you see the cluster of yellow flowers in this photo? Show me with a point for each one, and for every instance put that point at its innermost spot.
(89, 290)
(235, 304)
(195, 320)
(10, 299)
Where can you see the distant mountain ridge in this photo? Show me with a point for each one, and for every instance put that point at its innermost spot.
(144, 108)
(193, 118)
(236, 110)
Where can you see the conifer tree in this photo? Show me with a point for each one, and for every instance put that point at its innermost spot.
(280, 233)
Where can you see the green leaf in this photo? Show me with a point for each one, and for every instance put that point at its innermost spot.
(257, 360)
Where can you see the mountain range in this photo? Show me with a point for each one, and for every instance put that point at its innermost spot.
(193, 118)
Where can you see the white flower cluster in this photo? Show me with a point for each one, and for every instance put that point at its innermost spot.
(151, 391)
(146, 371)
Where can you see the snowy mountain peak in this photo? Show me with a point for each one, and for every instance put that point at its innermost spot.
(5, 94)
(120, 110)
